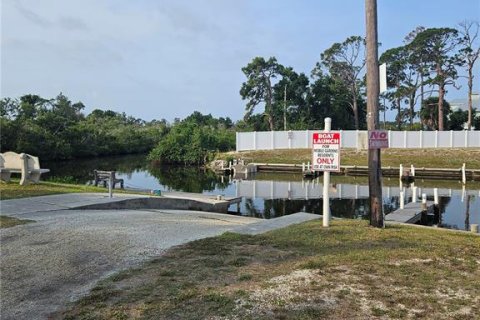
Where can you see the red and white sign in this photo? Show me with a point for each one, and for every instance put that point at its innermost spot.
(377, 139)
(326, 151)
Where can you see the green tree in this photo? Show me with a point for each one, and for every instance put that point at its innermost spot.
(345, 62)
(290, 97)
(258, 88)
(429, 112)
(469, 52)
(457, 120)
(439, 46)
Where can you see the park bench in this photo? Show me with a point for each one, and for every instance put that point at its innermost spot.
(27, 165)
(104, 177)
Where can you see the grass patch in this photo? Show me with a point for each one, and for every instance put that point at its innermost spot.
(7, 222)
(12, 190)
(349, 270)
(428, 158)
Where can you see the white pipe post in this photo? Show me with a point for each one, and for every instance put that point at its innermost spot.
(412, 170)
(464, 174)
(435, 196)
(303, 167)
(326, 183)
(402, 199)
(400, 171)
(110, 182)
(414, 194)
(424, 201)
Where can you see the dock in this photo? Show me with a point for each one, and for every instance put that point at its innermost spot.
(411, 213)
(420, 172)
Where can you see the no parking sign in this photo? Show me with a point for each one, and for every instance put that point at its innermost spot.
(326, 151)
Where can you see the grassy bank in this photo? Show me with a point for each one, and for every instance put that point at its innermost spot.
(349, 271)
(12, 190)
(428, 158)
(7, 222)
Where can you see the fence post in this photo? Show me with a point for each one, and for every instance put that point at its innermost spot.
(110, 185)
(436, 138)
(389, 138)
(358, 140)
(405, 139)
(254, 140)
(451, 138)
(236, 141)
(273, 139)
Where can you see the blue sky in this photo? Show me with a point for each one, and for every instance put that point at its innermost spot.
(165, 59)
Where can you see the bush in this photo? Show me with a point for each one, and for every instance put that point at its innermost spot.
(189, 143)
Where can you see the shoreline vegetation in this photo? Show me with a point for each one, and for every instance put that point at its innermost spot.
(305, 271)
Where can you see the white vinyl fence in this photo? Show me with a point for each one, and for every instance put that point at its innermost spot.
(269, 140)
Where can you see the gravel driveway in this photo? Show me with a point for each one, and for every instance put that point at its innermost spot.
(46, 264)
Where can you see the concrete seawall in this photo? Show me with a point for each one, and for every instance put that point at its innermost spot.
(160, 203)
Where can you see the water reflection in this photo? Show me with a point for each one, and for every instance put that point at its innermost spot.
(270, 195)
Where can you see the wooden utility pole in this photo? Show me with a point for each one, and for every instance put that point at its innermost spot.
(373, 89)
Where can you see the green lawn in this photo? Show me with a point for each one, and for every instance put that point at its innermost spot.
(348, 271)
(12, 190)
(7, 222)
(428, 158)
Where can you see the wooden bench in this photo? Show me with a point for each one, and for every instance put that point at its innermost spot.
(104, 177)
(27, 165)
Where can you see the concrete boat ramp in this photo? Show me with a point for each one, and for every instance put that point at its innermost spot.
(60, 257)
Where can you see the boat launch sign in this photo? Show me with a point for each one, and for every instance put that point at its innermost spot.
(326, 151)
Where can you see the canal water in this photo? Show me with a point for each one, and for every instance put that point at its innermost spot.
(270, 195)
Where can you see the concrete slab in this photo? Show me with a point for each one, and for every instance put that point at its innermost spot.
(16, 207)
(277, 223)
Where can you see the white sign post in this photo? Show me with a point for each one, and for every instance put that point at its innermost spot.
(326, 158)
